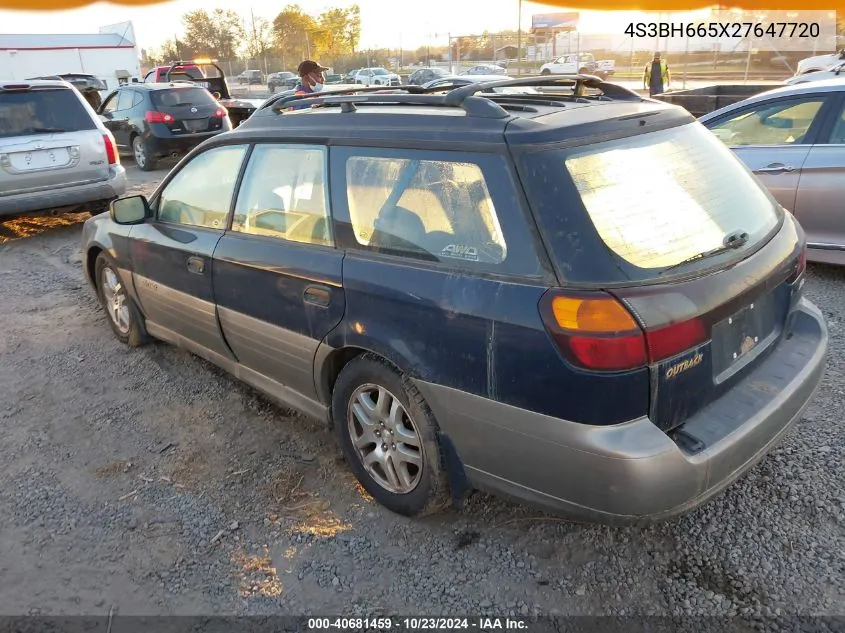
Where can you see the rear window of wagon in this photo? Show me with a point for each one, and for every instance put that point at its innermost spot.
(631, 208)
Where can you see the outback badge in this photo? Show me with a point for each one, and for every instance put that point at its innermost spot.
(684, 365)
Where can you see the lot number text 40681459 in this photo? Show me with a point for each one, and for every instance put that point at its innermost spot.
(418, 624)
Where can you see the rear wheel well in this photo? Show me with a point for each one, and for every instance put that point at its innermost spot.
(337, 360)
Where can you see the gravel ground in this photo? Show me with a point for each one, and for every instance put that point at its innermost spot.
(150, 482)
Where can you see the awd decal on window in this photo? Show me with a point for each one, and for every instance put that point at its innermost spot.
(684, 365)
(460, 251)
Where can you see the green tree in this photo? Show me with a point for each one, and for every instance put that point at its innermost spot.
(291, 33)
(337, 33)
(164, 54)
(259, 39)
(218, 34)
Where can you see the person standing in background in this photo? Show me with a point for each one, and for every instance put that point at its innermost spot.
(656, 76)
(311, 79)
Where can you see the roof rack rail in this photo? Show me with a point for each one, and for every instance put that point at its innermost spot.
(285, 98)
(472, 105)
(464, 96)
(578, 82)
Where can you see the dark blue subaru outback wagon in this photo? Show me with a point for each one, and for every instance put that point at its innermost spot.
(578, 298)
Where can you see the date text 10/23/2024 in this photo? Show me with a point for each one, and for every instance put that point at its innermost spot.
(417, 624)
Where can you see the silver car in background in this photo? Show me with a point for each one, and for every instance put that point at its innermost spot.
(793, 139)
(55, 153)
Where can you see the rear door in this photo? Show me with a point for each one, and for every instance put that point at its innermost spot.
(820, 203)
(48, 139)
(277, 273)
(172, 254)
(773, 138)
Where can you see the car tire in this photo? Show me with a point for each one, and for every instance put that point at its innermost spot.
(121, 312)
(143, 158)
(545, 71)
(410, 480)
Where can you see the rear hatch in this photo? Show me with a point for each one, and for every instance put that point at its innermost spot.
(186, 110)
(48, 139)
(671, 255)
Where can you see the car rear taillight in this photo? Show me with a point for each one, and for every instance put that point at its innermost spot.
(596, 331)
(15, 87)
(220, 113)
(154, 116)
(800, 266)
(111, 149)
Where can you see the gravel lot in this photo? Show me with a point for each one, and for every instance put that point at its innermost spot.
(150, 482)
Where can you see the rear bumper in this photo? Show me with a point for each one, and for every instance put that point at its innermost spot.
(164, 145)
(58, 197)
(633, 472)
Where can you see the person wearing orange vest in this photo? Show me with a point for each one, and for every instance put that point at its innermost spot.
(311, 79)
(656, 76)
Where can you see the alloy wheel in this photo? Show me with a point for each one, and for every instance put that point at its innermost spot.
(114, 297)
(385, 438)
(138, 151)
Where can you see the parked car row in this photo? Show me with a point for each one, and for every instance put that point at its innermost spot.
(457, 306)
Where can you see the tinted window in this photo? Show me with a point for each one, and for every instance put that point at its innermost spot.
(283, 195)
(435, 210)
(111, 103)
(837, 136)
(124, 101)
(654, 200)
(175, 97)
(781, 123)
(200, 194)
(40, 111)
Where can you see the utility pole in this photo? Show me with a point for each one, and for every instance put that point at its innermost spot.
(519, 41)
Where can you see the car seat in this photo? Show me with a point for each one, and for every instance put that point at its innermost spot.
(398, 228)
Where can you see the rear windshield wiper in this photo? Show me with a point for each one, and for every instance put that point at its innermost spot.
(47, 130)
(732, 242)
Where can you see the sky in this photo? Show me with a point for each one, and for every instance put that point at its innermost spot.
(383, 24)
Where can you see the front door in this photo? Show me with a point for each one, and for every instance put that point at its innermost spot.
(172, 254)
(773, 138)
(277, 274)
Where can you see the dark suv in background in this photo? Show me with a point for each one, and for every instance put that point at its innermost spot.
(154, 120)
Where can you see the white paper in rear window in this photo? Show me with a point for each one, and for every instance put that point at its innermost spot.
(663, 197)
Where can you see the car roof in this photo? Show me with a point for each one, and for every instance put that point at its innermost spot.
(151, 85)
(37, 83)
(461, 117)
(836, 84)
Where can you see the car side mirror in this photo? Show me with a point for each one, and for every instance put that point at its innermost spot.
(130, 210)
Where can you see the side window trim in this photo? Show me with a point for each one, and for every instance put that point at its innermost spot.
(326, 186)
(155, 198)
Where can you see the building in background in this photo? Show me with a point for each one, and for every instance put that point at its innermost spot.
(112, 55)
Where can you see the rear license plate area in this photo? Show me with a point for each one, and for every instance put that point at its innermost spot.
(739, 337)
(39, 159)
(195, 125)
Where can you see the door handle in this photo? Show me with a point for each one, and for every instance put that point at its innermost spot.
(317, 295)
(775, 168)
(196, 265)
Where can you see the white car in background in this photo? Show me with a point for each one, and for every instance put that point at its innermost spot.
(377, 77)
(834, 72)
(819, 63)
(485, 69)
(583, 63)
